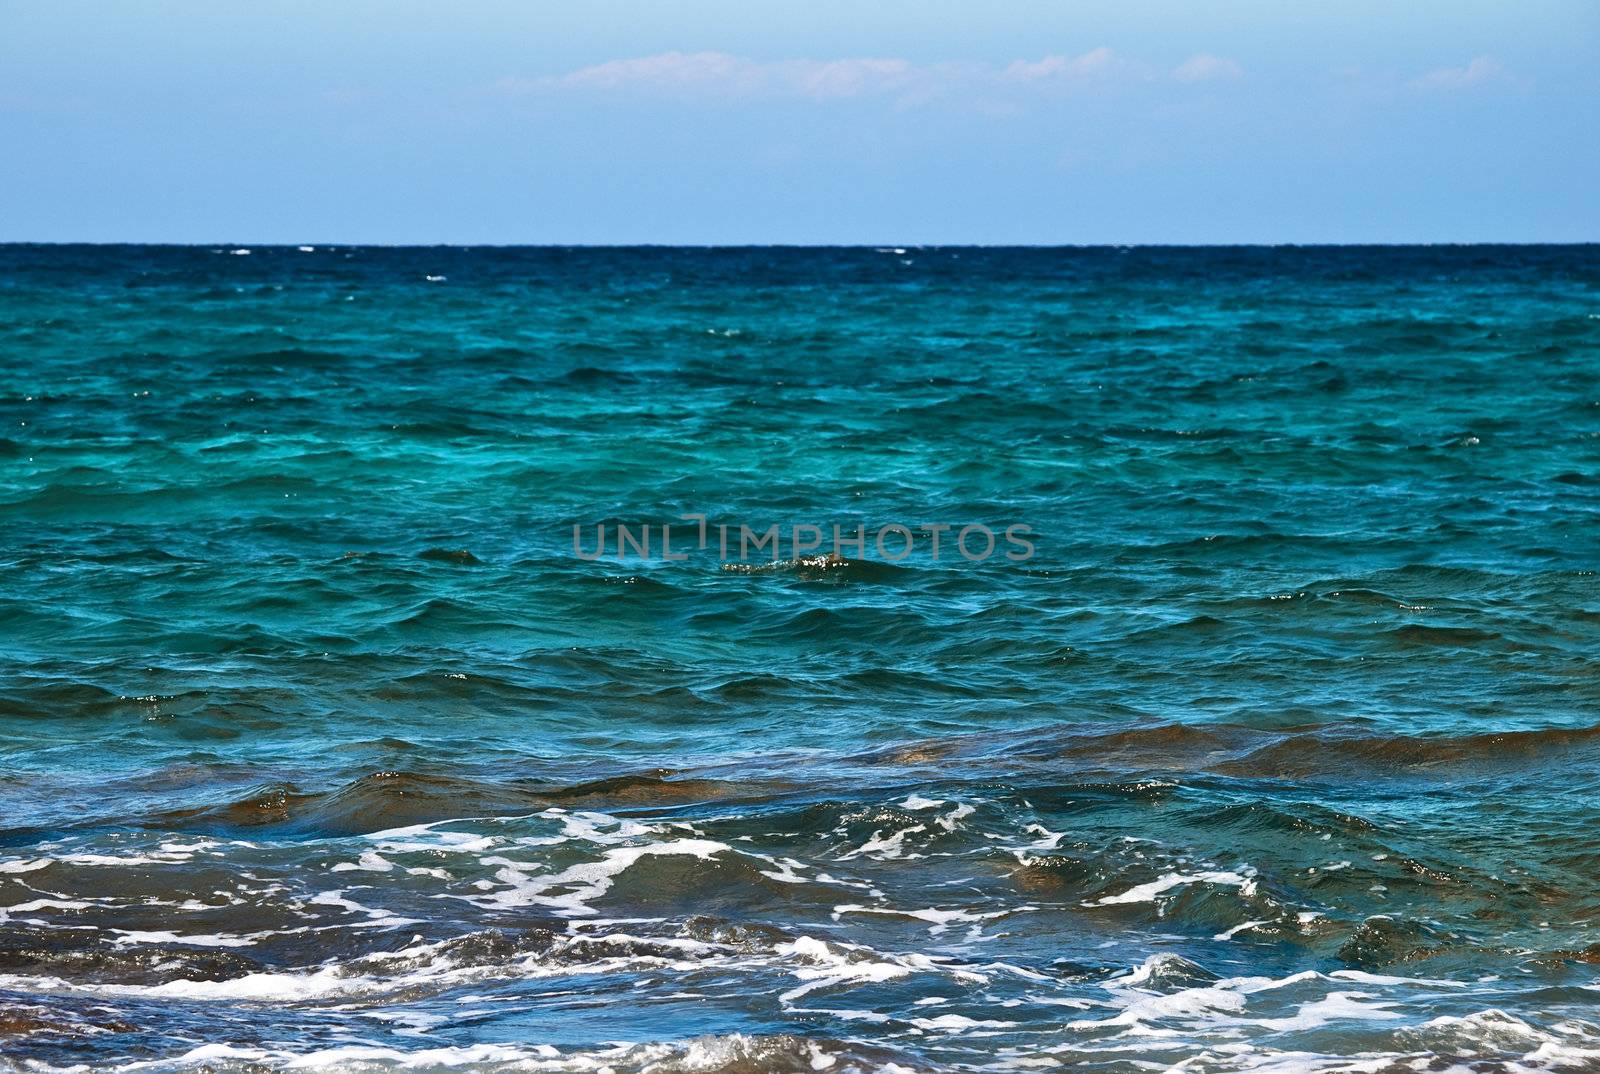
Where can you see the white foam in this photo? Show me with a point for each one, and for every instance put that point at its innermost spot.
(940, 919)
(377, 915)
(371, 862)
(281, 987)
(829, 967)
(958, 1023)
(825, 965)
(1229, 934)
(882, 846)
(36, 905)
(419, 838)
(1192, 1003)
(1148, 892)
(587, 881)
(129, 936)
(1334, 1007)
(1047, 840)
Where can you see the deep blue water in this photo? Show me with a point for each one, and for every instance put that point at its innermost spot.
(1274, 747)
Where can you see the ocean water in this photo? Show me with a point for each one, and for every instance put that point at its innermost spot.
(1273, 748)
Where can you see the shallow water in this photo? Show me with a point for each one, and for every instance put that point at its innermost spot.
(323, 748)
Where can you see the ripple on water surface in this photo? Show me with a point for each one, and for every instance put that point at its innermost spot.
(323, 750)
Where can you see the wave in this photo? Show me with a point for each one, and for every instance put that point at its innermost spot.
(726, 1054)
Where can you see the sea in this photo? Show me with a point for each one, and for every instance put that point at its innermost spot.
(740, 660)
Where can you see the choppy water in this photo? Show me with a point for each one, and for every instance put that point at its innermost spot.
(321, 748)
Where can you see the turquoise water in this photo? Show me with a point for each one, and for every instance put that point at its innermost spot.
(323, 746)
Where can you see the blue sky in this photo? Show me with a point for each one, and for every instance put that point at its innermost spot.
(871, 121)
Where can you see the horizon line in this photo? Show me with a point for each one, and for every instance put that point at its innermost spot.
(874, 246)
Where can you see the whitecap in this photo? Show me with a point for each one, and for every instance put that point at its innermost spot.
(1148, 892)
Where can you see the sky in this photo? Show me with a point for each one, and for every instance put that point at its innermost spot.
(824, 121)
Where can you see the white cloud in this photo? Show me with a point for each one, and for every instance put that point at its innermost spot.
(846, 78)
(669, 70)
(1480, 69)
(1203, 67)
(724, 76)
(1097, 62)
